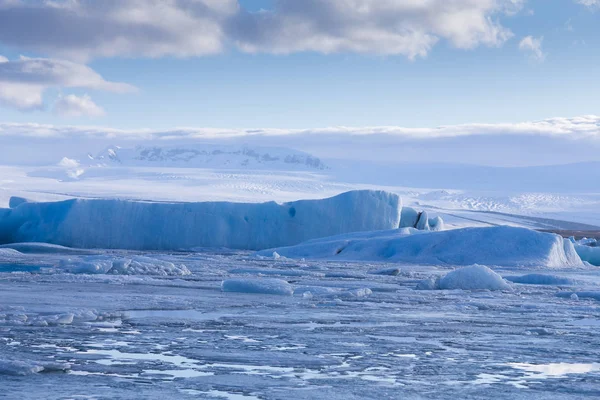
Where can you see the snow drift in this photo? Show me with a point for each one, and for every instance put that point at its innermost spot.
(499, 246)
(119, 224)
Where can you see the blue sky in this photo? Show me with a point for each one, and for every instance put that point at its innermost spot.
(232, 87)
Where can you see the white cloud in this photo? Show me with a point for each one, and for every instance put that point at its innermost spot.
(553, 141)
(406, 27)
(569, 25)
(533, 47)
(23, 81)
(589, 3)
(76, 106)
(584, 127)
(81, 30)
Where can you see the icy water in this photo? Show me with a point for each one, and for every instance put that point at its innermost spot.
(68, 336)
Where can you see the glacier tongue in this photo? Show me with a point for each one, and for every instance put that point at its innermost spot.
(136, 225)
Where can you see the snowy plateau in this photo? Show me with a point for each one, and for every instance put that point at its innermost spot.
(219, 271)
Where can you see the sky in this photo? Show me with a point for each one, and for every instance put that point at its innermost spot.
(149, 64)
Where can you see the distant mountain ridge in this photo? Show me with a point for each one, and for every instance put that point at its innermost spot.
(207, 156)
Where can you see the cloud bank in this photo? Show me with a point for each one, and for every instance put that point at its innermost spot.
(82, 30)
(578, 128)
(24, 81)
(589, 3)
(549, 142)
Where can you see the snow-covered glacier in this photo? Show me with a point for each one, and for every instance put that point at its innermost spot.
(498, 246)
(138, 225)
(206, 156)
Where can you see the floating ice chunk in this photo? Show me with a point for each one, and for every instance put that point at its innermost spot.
(540, 279)
(475, 277)
(280, 272)
(61, 319)
(21, 368)
(499, 246)
(589, 254)
(123, 266)
(586, 242)
(258, 286)
(356, 293)
(432, 283)
(93, 264)
(150, 266)
(386, 271)
(317, 291)
(436, 224)
(332, 292)
(409, 217)
(15, 367)
(581, 295)
(9, 253)
(43, 248)
(423, 222)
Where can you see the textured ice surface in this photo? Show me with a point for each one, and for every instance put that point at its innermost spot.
(346, 333)
(119, 224)
(498, 246)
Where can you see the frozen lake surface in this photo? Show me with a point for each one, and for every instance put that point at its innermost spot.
(346, 332)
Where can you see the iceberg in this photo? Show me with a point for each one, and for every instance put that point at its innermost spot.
(589, 254)
(138, 225)
(412, 218)
(503, 246)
